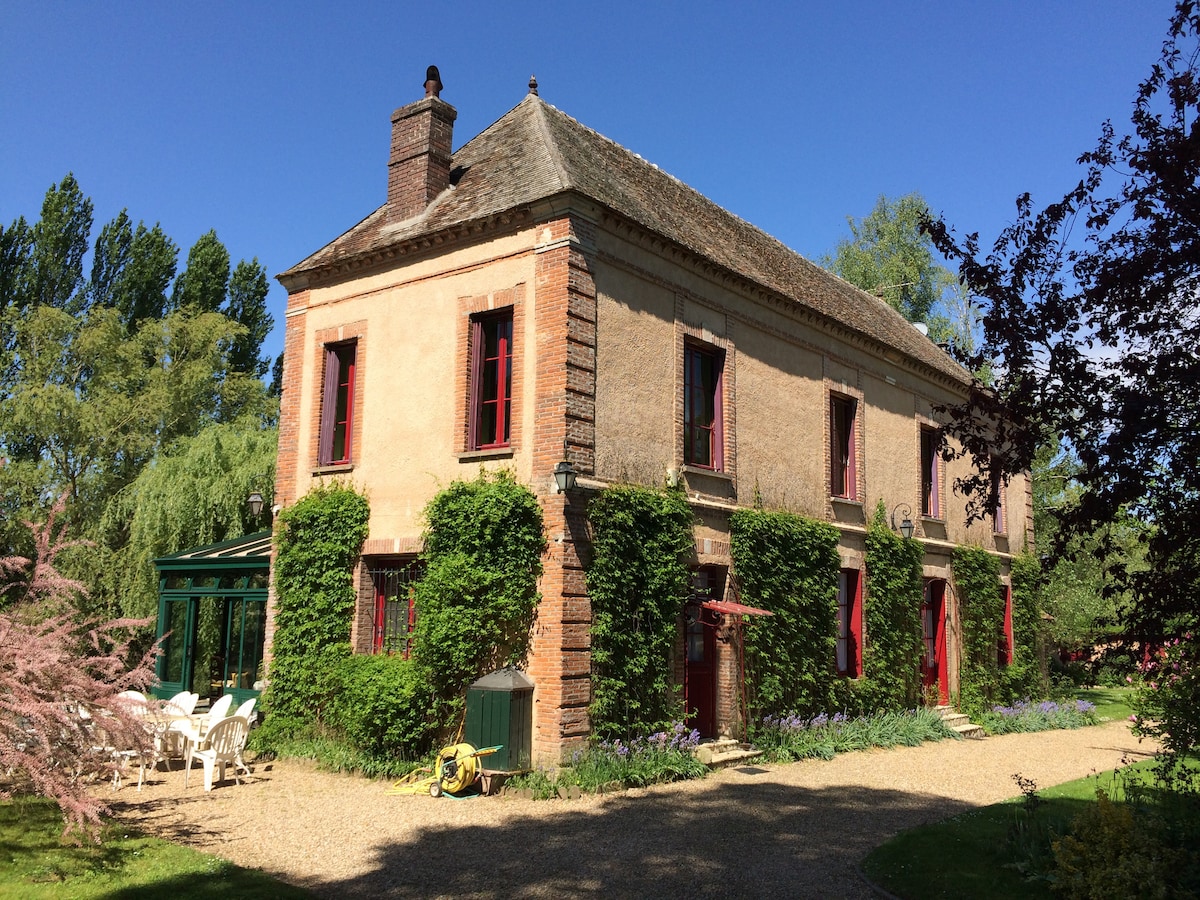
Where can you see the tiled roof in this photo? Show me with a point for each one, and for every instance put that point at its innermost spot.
(536, 151)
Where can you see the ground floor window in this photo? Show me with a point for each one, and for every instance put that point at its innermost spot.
(395, 612)
(849, 624)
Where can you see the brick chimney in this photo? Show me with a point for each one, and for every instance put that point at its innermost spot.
(419, 167)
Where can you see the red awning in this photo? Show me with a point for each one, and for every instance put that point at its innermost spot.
(729, 608)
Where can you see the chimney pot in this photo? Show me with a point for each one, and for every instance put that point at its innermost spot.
(433, 82)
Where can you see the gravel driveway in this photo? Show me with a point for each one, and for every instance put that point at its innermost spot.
(796, 830)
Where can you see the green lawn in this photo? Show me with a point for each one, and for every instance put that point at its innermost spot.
(973, 854)
(1111, 703)
(36, 863)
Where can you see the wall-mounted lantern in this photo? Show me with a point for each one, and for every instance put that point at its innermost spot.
(564, 476)
(906, 523)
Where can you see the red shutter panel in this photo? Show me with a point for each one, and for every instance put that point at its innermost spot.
(718, 432)
(328, 407)
(474, 404)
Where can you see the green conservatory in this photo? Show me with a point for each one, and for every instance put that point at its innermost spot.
(212, 616)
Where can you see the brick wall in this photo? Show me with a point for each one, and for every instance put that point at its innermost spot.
(419, 163)
(564, 306)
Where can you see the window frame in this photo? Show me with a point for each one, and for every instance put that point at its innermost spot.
(501, 431)
(843, 442)
(1005, 648)
(694, 356)
(337, 417)
(999, 513)
(848, 655)
(931, 506)
(407, 572)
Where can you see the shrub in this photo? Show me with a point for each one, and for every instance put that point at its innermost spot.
(791, 737)
(981, 612)
(1114, 852)
(1167, 702)
(1025, 716)
(382, 707)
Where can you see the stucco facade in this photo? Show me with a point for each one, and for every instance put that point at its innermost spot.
(604, 302)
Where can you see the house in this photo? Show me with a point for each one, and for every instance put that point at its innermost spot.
(543, 294)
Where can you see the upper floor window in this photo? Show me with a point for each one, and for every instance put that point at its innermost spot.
(491, 380)
(703, 426)
(337, 405)
(842, 450)
(931, 505)
(999, 520)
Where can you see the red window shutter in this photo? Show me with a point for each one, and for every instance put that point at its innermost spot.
(856, 625)
(328, 407)
(718, 430)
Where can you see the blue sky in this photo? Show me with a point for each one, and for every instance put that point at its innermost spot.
(270, 123)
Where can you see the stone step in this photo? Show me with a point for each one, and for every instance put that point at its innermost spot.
(956, 719)
(724, 752)
(968, 730)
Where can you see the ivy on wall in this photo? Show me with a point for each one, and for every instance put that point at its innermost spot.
(789, 566)
(638, 582)
(981, 612)
(1026, 675)
(476, 601)
(892, 613)
(317, 543)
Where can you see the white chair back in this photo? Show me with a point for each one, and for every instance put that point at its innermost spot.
(219, 710)
(246, 710)
(182, 703)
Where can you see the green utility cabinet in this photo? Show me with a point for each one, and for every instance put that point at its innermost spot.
(500, 711)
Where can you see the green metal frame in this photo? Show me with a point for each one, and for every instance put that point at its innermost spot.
(224, 573)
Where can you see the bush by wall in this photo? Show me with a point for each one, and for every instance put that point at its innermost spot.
(1026, 676)
(788, 565)
(981, 611)
(638, 582)
(317, 542)
(892, 612)
(477, 598)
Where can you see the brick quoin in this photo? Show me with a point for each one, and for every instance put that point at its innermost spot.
(564, 305)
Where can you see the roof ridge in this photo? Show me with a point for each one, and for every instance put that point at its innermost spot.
(539, 106)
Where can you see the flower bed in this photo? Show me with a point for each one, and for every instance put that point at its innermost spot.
(1026, 715)
(791, 737)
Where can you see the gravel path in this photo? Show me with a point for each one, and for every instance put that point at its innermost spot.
(795, 830)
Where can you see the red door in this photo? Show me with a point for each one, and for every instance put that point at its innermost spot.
(699, 672)
(933, 621)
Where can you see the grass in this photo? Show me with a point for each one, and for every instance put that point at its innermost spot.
(36, 863)
(972, 854)
(1111, 702)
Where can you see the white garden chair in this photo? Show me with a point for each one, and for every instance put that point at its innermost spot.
(221, 746)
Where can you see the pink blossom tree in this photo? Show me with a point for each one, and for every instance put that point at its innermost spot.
(60, 676)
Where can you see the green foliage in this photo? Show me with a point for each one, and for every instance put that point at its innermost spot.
(638, 582)
(203, 283)
(892, 608)
(791, 737)
(1025, 675)
(317, 545)
(888, 255)
(660, 758)
(1168, 698)
(382, 705)
(1119, 849)
(788, 565)
(477, 598)
(1025, 716)
(981, 613)
(195, 494)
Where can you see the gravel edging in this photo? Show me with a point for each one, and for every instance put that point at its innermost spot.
(796, 830)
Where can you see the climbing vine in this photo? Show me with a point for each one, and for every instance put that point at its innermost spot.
(787, 565)
(317, 542)
(981, 612)
(475, 604)
(892, 607)
(1025, 677)
(638, 583)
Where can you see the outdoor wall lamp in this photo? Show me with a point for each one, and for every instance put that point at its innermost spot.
(564, 476)
(254, 503)
(906, 524)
